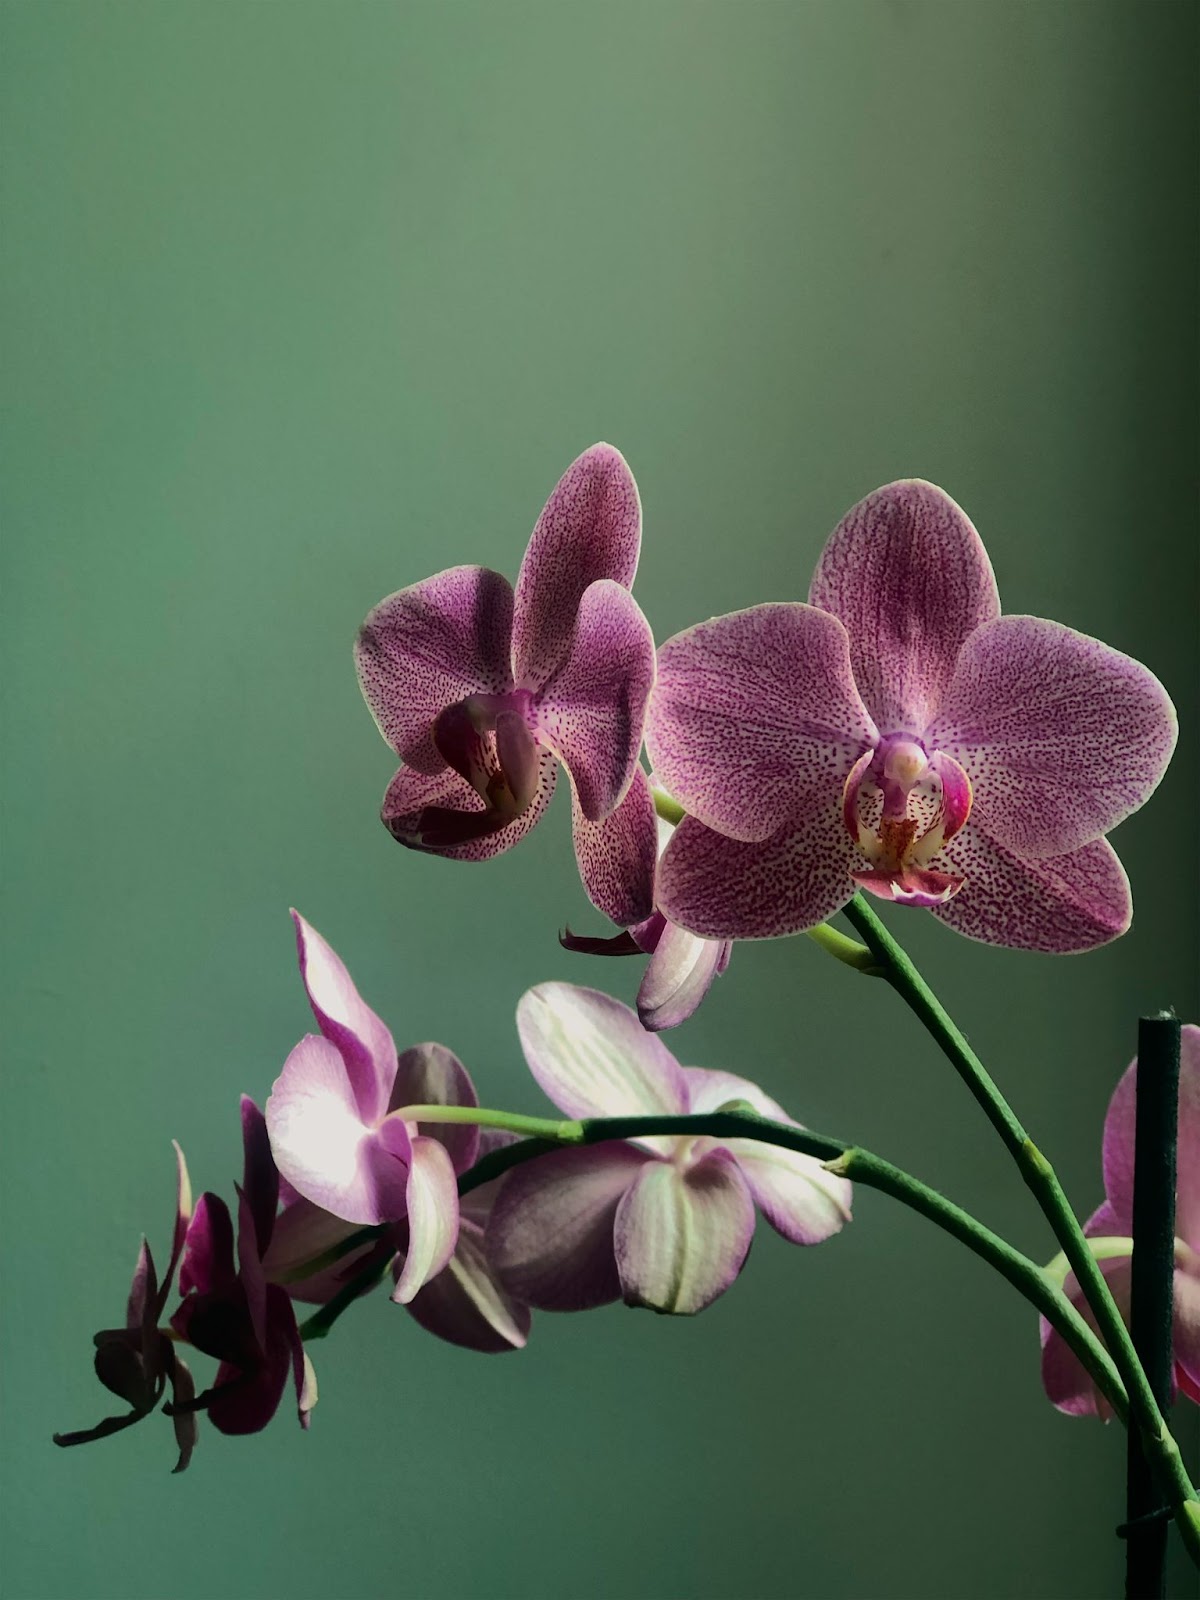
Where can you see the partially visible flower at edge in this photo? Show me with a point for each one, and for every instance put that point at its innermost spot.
(230, 1311)
(898, 734)
(682, 965)
(137, 1361)
(481, 691)
(1066, 1383)
(660, 1222)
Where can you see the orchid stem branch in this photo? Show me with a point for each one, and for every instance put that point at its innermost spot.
(1042, 1180)
(846, 1160)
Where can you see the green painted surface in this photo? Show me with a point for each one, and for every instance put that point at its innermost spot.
(304, 302)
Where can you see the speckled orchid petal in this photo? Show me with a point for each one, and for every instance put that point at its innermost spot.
(467, 1305)
(799, 1198)
(1119, 1127)
(445, 816)
(1058, 905)
(429, 646)
(756, 719)
(344, 1018)
(1061, 736)
(721, 888)
(592, 711)
(682, 1235)
(592, 1056)
(590, 528)
(431, 1203)
(678, 976)
(550, 1234)
(907, 573)
(616, 856)
(323, 1146)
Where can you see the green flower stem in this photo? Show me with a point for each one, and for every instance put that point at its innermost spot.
(846, 1160)
(1042, 1180)
(848, 950)
(669, 810)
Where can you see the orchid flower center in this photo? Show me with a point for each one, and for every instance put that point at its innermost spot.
(901, 805)
(488, 739)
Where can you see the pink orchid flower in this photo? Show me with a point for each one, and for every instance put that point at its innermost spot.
(1110, 1226)
(660, 1222)
(481, 692)
(681, 968)
(335, 1132)
(138, 1361)
(230, 1311)
(465, 1304)
(898, 734)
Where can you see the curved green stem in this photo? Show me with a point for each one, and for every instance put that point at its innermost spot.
(846, 1160)
(1042, 1180)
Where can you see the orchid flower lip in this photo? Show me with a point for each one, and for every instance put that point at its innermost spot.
(901, 805)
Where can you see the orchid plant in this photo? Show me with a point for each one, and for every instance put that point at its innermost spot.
(895, 738)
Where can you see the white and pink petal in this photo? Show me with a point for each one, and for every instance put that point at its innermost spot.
(592, 1056)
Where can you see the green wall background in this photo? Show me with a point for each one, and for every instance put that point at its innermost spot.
(307, 301)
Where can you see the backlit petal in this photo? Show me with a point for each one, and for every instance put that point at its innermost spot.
(467, 1305)
(677, 977)
(591, 527)
(592, 1056)
(343, 1016)
(682, 1236)
(432, 1204)
(908, 575)
(755, 719)
(1061, 736)
(429, 646)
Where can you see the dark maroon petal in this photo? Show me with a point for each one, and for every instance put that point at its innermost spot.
(430, 646)
(245, 1400)
(550, 1236)
(590, 528)
(143, 1288)
(260, 1176)
(208, 1248)
(908, 575)
(184, 1420)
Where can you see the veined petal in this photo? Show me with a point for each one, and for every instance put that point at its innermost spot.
(1119, 1129)
(428, 646)
(1058, 904)
(1061, 736)
(908, 575)
(323, 1147)
(678, 976)
(592, 711)
(466, 1304)
(550, 1234)
(444, 816)
(682, 1236)
(590, 528)
(799, 1198)
(723, 888)
(592, 1056)
(431, 1075)
(432, 1202)
(755, 719)
(616, 856)
(362, 1039)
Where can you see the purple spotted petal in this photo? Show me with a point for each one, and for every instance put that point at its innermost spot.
(722, 888)
(616, 856)
(682, 1236)
(755, 720)
(432, 1206)
(798, 1197)
(324, 1148)
(445, 816)
(550, 1235)
(678, 976)
(1061, 736)
(592, 711)
(431, 1075)
(1119, 1127)
(590, 528)
(592, 1056)
(429, 646)
(467, 1305)
(345, 1019)
(1060, 904)
(908, 575)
